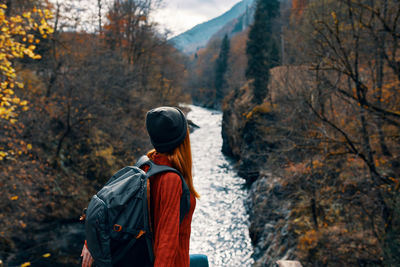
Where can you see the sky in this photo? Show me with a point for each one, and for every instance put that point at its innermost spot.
(181, 15)
(176, 16)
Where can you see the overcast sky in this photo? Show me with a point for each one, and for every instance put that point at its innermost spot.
(175, 15)
(181, 15)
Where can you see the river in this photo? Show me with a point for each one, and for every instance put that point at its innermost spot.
(220, 222)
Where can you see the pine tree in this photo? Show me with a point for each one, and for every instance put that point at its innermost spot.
(221, 67)
(262, 48)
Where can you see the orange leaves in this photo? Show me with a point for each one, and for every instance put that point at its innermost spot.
(298, 168)
(395, 180)
(298, 7)
(22, 224)
(380, 162)
(309, 240)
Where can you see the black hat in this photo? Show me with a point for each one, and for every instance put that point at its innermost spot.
(167, 128)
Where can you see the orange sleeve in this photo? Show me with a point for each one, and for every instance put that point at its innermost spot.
(166, 242)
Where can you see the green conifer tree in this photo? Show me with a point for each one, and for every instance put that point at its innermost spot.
(221, 66)
(262, 48)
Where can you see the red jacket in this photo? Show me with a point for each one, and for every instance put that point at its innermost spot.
(171, 239)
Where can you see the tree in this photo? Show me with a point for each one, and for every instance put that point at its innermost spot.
(221, 66)
(70, 137)
(343, 127)
(298, 7)
(128, 27)
(17, 41)
(262, 48)
(201, 78)
(330, 134)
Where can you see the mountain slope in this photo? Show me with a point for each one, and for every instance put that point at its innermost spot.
(197, 37)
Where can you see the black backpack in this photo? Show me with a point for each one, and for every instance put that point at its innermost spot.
(117, 218)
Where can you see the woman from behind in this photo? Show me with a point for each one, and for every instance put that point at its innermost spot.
(169, 134)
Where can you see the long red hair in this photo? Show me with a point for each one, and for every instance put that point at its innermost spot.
(181, 159)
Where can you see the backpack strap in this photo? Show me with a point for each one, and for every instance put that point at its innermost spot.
(185, 198)
(156, 169)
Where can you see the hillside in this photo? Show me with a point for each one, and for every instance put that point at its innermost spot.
(197, 37)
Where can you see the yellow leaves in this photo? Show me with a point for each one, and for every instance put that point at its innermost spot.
(19, 84)
(16, 43)
(16, 19)
(37, 57)
(3, 155)
(46, 255)
(29, 146)
(31, 38)
(26, 264)
(14, 198)
(48, 14)
(107, 154)
(334, 16)
(259, 109)
(16, 100)
(26, 15)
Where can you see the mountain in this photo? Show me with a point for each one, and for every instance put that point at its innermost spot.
(234, 20)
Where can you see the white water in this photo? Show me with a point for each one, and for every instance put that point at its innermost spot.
(220, 223)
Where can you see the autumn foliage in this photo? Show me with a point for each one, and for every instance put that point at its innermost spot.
(72, 110)
(328, 131)
(336, 131)
(17, 41)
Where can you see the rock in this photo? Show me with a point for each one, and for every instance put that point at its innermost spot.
(234, 108)
(192, 126)
(268, 213)
(243, 128)
(249, 137)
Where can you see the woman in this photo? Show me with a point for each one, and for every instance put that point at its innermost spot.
(169, 134)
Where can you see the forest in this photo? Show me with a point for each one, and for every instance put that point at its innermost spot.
(322, 118)
(309, 92)
(64, 82)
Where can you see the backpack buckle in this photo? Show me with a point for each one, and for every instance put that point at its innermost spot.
(117, 228)
(141, 232)
(83, 216)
